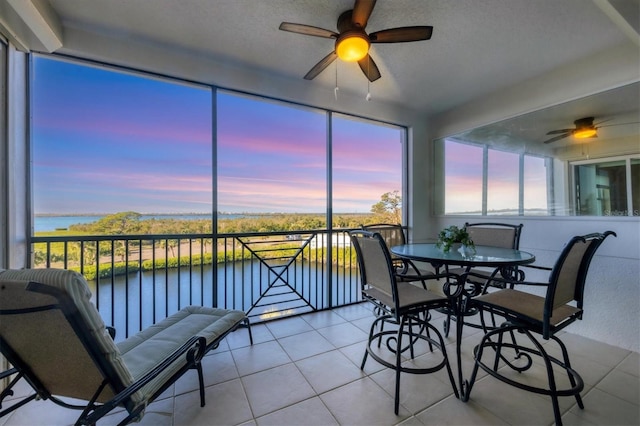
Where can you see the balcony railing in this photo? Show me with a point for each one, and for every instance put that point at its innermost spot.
(137, 280)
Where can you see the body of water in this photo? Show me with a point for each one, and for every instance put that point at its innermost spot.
(51, 223)
(143, 297)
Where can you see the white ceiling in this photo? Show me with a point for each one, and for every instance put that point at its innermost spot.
(478, 46)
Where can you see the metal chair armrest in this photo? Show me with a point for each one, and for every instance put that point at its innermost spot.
(194, 349)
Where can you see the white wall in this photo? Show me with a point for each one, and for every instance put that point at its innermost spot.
(612, 294)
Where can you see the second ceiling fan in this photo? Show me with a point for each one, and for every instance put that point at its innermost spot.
(584, 128)
(352, 42)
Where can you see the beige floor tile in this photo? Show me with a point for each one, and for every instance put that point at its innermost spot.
(158, 413)
(261, 333)
(376, 404)
(276, 388)
(288, 327)
(363, 324)
(259, 357)
(354, 312)
(305, 344)
(240, 337)
(584, 347)
(452, 411)
(601, 408)
(329, 370)
(631, 364)
(226, 404)
(623, 385)
(417, 391)
(323, 319)
(310, 412)
(216, 368)
(355, 354)
(411, 421)
(513, 405)
(570, 419)
(344, 334)
(41, 413)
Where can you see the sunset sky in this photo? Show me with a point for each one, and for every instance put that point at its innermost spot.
(107, 141)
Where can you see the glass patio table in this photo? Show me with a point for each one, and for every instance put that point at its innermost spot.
(506, 259)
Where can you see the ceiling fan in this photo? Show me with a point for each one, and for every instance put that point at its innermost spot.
(584, 128)
(352, 42)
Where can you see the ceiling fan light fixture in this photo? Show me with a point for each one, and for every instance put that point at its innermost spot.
(352, 46)
(585, 133)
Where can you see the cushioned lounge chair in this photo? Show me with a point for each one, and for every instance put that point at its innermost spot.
(55, 339)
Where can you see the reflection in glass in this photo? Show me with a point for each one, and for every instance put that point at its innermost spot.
(502, 183)
(535, 192)
(524, 172)
(602, 188)
(635, 186)
(463, 178)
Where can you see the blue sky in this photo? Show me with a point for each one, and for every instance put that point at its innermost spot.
(107, 141)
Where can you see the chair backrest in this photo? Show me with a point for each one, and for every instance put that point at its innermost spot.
(50, 331)
(569, 274)
(392, 234)
(495, 234)
(374, 261)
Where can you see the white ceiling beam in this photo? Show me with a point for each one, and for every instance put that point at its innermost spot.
(624, 14)
(44, 27)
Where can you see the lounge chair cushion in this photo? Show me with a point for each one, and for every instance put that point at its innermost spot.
(144, 350)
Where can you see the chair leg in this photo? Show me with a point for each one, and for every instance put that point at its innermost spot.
(374, 324)
(447, 325)
(399, 362)
(552, 380)
(248, 325)
(552, 390)
(572, 380)
(201, 383)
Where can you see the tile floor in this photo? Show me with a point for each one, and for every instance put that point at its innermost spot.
(305, 371)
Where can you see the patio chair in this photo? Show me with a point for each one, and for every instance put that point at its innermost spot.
(56, 341)
(405, 305)
(494, 235)
(531, 315)
(405, 269)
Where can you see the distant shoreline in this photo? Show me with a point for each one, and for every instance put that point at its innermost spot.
(191, 214)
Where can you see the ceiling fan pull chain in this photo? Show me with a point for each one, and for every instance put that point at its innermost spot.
(335, 91)
(368, 98)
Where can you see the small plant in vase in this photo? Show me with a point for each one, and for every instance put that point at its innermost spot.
(453, 236)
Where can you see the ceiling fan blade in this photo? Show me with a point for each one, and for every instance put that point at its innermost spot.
(320, 66)
(307, 30)
(369, 68)
(402, 34)
(361, 12)
(618, 124)
(557, 138)
(557, 132)
(604, 121)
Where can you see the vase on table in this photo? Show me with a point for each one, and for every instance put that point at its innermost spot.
(466, 250)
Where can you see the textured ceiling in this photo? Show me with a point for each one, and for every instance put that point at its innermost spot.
(477, 46)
